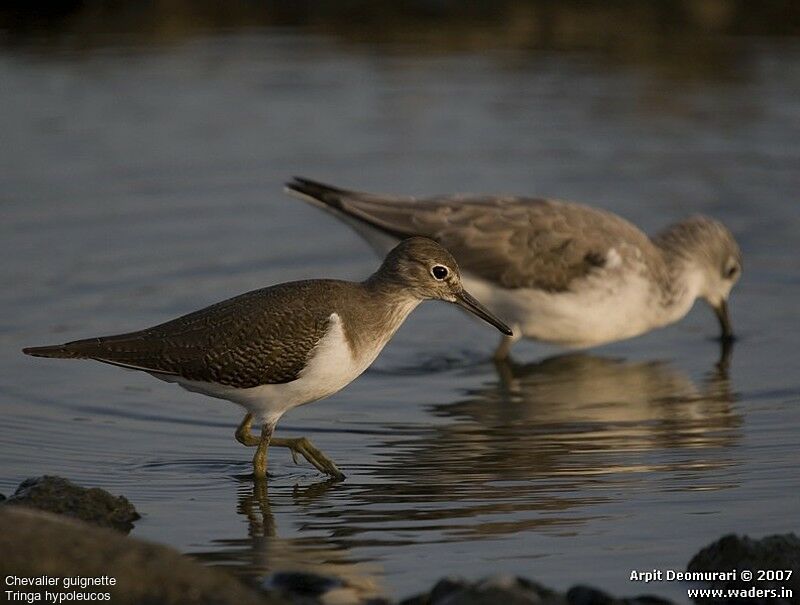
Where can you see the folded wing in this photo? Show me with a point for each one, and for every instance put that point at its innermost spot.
(262, 337)
(514, 242)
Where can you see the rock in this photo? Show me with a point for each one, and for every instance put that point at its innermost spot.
(302, 583)
(775, 553)
(513, 590)
(60, 496)
(587, 595)
(508, 590)
(447, 586)
(308, 588)
(36, 544)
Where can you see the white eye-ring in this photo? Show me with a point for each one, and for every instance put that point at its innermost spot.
(439, 272)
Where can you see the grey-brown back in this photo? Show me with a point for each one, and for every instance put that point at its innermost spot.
(514, 242)
(261, 337)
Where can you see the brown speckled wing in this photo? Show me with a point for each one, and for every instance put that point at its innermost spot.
(262, 337)
(514, 242)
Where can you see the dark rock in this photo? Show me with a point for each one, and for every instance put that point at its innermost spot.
(420, 599)
(512, 590)
(302, 583)
(311, 588)
(778, 552)
(507, 590)
(587, 595)
(60, 496)
(445, 587)
(36, 544)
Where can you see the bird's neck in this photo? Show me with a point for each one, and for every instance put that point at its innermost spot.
(681, 281)
(391, 302)
(385, 307)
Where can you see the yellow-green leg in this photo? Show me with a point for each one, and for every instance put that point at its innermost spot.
(246, 437)
(298, 445)
(304, 447)
(243, 434)
(260, 458)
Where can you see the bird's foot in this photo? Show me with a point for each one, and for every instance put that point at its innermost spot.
(304, 447)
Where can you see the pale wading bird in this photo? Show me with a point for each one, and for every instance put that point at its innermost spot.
(556, 271)
(273, 349)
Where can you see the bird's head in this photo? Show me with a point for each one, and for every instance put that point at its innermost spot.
(426, 271)
(710, 253)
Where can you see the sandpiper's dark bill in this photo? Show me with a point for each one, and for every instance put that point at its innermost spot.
(559, 272)
(466, 300)
(276, 348)
(721, 311)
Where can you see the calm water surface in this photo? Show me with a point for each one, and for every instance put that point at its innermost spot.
(142, 182)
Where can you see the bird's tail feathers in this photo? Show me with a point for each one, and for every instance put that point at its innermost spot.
(315, 192)
(55, 351)
(87, 348)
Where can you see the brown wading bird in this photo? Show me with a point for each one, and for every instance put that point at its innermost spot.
(558, 272)
(273, 349)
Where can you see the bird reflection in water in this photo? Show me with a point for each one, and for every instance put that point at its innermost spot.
(542, 447)
(264, 553)
(578, 414)
(539, 447)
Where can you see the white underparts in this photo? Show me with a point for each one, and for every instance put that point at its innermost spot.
(616, 303)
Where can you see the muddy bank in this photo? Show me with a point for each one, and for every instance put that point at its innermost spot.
(116, 568)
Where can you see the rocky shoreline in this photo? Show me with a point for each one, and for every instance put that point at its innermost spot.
(52, 529)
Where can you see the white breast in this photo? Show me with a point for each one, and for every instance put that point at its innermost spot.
(331, 365)
(615, 305)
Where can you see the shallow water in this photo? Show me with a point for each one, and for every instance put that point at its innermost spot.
(142, 181)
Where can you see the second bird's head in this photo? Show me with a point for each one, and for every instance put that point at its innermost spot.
(429, 272)
(722, 267)
(711, 258)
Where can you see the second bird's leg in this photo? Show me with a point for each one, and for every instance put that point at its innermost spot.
(506, 342)
(304, 447)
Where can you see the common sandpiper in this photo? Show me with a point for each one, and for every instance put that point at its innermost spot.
(556, 271)
(274, 349)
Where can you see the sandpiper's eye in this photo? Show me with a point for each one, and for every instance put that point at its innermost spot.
(439, 272)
